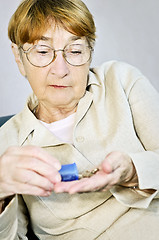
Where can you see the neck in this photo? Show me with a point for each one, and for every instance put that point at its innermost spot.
(51, 115)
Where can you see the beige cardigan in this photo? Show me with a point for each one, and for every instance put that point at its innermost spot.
(120, 111)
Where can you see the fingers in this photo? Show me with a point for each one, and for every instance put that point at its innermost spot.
(40, 167)
(121, 164)
(31, 178)
(31, 171)
(28, 182)
(114, 170)
(23, 188)
(34, 159)
(36, 152)
(33, 190)
(100, 180)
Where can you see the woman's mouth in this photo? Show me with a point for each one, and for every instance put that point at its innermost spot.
(58, 86)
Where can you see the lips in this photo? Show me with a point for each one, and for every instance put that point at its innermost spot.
(58, 86)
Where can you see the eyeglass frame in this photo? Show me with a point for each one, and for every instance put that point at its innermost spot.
(54, 54)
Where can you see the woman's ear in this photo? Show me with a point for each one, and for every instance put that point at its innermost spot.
(18, 58)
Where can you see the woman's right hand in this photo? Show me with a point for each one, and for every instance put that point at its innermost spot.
(28, 170)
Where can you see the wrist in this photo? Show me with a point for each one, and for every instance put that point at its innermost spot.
(132, 181)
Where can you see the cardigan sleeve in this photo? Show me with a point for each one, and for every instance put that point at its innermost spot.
(144, 104)
(13, 221)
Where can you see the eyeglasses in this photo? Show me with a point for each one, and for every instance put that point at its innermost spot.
(42, 55)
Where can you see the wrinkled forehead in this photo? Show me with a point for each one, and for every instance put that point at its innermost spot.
(57, 34)
(53, 33)
(57, 37)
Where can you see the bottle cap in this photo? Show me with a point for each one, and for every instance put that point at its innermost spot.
(69, 172)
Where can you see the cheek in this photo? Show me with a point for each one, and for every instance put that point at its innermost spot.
(36, 78)
(81, 77)
(32, 79)
(37, 83)
(33, 74)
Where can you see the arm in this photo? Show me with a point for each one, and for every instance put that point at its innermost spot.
(144, 102)
(14, 220)
(27, 170)
(117, 177)
(31, 171)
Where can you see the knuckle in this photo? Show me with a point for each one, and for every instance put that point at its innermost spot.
(33, 163)
(47, 185)
(4, 170)
(27, 178)
(33, 149)
(51, 173)
(11, 149)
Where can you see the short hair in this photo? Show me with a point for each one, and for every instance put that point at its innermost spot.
(32, 19)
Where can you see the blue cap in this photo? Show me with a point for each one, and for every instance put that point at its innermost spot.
(69, 172)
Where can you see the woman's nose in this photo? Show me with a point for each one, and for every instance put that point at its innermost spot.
(59, 66)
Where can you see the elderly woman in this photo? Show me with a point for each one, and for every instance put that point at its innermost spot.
(105, 120)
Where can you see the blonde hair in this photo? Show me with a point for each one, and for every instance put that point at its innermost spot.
(32, 19)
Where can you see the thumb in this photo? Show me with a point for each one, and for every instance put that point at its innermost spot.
(106, 166)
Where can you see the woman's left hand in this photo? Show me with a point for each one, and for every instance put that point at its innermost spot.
(116, 169)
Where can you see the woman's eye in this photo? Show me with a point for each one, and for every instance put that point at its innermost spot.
(76, 52)
(73, 52)
(75, 49)
(42, 52)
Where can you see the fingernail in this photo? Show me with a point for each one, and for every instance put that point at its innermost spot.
(57, 166)
(48, 193)
(58, 178)
(51, 187)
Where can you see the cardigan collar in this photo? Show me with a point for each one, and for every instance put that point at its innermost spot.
(32, 128)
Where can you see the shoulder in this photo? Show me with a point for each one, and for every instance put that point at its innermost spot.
(16, 130)
(117, 72)
(9, 132)
(117, 68)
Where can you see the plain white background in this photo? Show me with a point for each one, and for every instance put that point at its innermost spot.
(127, 30)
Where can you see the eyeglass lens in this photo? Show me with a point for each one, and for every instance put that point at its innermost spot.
(74, 54)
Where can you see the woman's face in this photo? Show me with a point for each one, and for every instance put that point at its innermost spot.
(58, 85)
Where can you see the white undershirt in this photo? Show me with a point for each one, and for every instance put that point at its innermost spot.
(62, 129)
